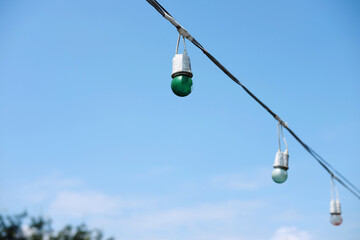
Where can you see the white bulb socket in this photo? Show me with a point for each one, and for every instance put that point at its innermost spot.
(181, 65)
(335, 207)
(282, 160)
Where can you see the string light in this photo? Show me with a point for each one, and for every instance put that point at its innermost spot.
(335, 206)
(281, 160)
(281, 163)
(181, 83)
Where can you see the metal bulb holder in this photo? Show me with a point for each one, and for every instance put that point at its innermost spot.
(181, 83)
(281, 165)
(335, 213)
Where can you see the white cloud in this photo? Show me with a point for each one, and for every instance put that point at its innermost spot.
(221, 220)
(252, 180)
(190, 216)
(44, 188)
(78, 204)
(69, 201)
(290, 233)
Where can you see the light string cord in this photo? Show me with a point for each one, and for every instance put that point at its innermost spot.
(334, 189)
(343, 181)
(184, 43)
(278, 131)
(282, 134)
(178, 43)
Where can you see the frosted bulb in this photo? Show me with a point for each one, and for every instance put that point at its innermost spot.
(336, 219)
(279, 175)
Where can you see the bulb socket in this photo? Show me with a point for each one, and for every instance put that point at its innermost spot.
(181, 65)
(335, 207)
(282, 160)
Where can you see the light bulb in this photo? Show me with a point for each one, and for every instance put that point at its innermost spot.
(181, 75)
(181, 85)
(279, 175)
(336, 219)
(335, 212)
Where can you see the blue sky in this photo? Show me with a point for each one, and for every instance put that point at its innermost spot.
(91, 132)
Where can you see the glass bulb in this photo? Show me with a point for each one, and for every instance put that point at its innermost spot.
(279, 175)
(336, 219)
(181, 85)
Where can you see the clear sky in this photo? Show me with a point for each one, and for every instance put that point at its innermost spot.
(91, 132)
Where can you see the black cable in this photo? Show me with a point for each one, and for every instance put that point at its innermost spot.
(323, 163)
(157, 7)
(315, 155)
(344, 178)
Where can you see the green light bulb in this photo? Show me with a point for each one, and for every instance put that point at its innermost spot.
(279, 175)
(181, 85)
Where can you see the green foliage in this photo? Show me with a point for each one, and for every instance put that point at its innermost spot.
(39, 228)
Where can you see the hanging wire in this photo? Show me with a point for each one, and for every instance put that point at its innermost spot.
(178, 43)
(282, 134)
(184, 44)
(338, 177)
(334, 189)
(278, 130)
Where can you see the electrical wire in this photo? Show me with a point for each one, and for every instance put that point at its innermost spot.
(334, 189)
(278, 131)
(331, 170)
(178, 43)
(282, 134)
